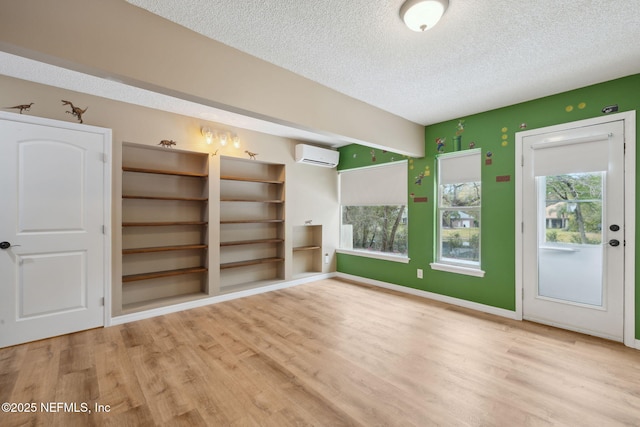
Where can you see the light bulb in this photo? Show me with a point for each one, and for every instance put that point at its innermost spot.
(208, 135)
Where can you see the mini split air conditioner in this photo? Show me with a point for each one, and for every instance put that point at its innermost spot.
(316, 156)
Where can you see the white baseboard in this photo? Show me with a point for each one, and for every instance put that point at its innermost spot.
(430, 295)
(638, 344)
(126, 318)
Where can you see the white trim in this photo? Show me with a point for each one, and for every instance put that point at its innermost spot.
(629, 118)
(630, 228)
(126, 318)
(637, 342)
(375, 255)
(433, 296)
(458, 269)
(108, 237)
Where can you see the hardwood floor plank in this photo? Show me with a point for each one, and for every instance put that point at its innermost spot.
(117, 380)
(325, 353)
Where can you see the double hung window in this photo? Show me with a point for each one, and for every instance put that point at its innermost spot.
(458, 210)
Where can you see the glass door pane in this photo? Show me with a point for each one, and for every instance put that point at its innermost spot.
(570, 250)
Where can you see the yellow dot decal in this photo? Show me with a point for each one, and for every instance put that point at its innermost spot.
(582, 105)
(504, 129)
(505, 136)
(505, 143)
(568, 108)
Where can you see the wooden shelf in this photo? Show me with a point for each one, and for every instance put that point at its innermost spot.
(162, 224)
(166, 273)
(252, 200)
(244, 179)
(162, 249)
(305, 248)
(250, 262)
(164, 172)
(182, 199)
(134, 307)
(251, 242)
(252, 221)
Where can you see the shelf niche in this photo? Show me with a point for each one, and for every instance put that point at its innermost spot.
(164, 227)
(252, 223)
(307, 250)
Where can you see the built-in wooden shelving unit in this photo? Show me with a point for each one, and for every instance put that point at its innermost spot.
(252, 223)
(164, 227)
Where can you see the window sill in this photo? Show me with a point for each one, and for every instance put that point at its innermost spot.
(375, 255)
(457, 269)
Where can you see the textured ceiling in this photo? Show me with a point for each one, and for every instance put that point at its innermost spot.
(483, 54)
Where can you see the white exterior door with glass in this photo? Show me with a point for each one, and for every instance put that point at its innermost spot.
(573, 230)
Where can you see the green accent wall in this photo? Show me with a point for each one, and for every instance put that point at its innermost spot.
(492, 131)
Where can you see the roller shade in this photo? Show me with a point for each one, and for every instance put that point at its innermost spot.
(375, 185)
(458, 167)
(559, 158)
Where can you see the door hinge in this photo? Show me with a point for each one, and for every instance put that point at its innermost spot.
(102, 301)
(104, 229)
(522, 227)
(105, 158)
(522, 161)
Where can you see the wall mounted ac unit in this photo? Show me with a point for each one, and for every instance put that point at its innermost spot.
(317, 156)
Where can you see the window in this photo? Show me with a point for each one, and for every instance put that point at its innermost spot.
(458, 212)
(374, 218)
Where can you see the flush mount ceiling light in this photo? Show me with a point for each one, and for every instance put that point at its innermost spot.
(422, 15)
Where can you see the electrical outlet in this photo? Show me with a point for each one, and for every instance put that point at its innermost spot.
(419, 273)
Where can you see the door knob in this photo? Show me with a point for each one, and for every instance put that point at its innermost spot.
(614, 227)
(5, 245)
(614, 242)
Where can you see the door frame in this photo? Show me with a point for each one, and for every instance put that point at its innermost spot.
(629, 120)
(106, 183)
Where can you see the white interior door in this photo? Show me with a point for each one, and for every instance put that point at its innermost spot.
(53, 268)
(573, 229)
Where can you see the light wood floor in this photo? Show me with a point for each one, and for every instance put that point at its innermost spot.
(328, 353)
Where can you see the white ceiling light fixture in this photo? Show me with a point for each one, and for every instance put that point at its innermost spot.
(422, 15)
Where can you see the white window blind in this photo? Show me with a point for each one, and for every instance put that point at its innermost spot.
(375, 185)
(558, 157)
(459, 167)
